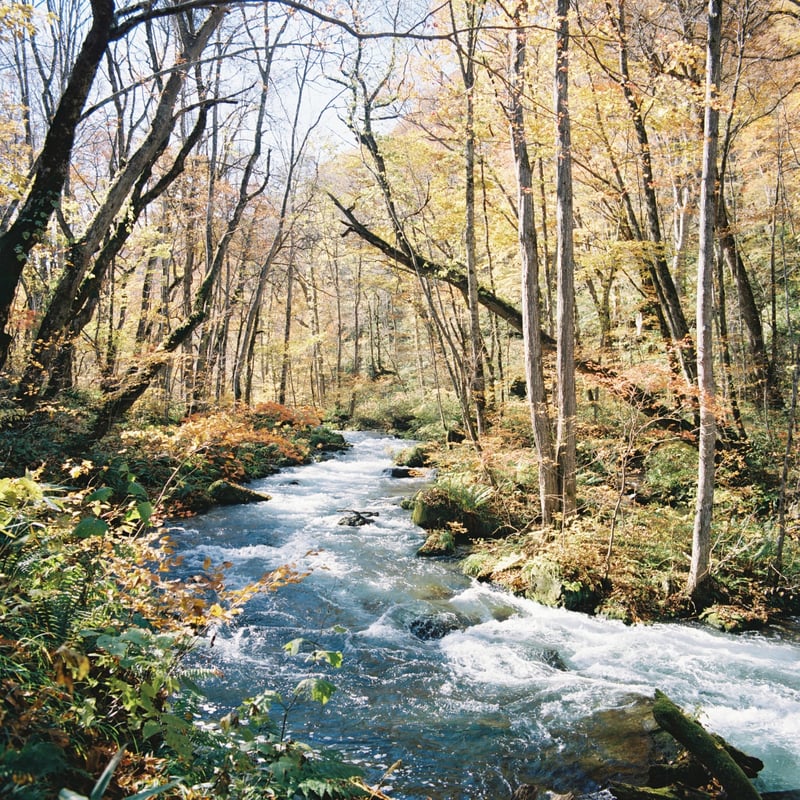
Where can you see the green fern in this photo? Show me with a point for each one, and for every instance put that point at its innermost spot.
(468, 496)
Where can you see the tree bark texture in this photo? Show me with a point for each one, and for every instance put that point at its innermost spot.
(565, 270)
(52, 166)
(701, 536)
(531, 323)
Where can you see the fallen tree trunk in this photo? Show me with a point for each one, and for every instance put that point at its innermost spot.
(704, 747)
(624, 791)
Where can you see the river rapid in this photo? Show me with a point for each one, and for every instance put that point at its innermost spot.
(521, 694)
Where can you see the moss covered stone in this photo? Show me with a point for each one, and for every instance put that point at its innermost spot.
(226, 493)
(438, 543)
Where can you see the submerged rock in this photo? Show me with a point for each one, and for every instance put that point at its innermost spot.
(357, 518)
(553, 659)
(405, 472)
(435, 626)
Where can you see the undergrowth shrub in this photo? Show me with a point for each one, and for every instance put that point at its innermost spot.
(234, 447)
(95, 630)
(671, 473)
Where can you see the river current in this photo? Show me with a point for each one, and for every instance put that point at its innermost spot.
(520, 693)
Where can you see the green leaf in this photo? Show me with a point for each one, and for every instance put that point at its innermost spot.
(293, 647)
(145, 509)
(90, 526)
(333, 657)
(101, 495)
(316, 689)
(136, 490)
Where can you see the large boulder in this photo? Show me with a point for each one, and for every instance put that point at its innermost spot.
(434, 508)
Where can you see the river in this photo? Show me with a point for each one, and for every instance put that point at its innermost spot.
(521, 694)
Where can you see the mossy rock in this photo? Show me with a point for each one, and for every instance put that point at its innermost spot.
(226, 493)
(434, 509)
(416, 457)
(734, 619)
(546, 584)
(438, 543)
(613, 608)
(324, 440)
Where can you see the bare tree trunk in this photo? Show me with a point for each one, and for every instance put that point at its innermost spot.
(531, 326)
(466, 56)
(287, 335)
(565, 270)
(699, 571)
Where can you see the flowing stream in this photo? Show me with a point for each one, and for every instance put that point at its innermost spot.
(520, 693)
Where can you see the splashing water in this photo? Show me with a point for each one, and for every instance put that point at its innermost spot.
(518, 693)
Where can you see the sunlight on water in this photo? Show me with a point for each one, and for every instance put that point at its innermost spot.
(518, 693)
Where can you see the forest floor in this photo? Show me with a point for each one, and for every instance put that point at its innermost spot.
(626, 554)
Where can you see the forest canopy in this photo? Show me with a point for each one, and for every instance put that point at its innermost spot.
(208, 204)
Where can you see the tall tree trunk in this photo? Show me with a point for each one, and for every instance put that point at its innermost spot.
(767, 389)
(531, 325)
(466, 56)
(699, 571)
(726, 364)
(356, 371)
(664, 285)
(287, 335)
(565, 271)
(765, 384)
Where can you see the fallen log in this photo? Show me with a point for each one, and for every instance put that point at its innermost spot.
(704, 747)
(624, 791)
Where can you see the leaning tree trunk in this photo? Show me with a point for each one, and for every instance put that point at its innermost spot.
(52, 166)
(80, 282)
(664, 285)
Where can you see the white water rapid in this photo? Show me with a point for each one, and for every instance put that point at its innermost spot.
(520, 694)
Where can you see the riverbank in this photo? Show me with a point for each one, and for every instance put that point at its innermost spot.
(625, 555)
